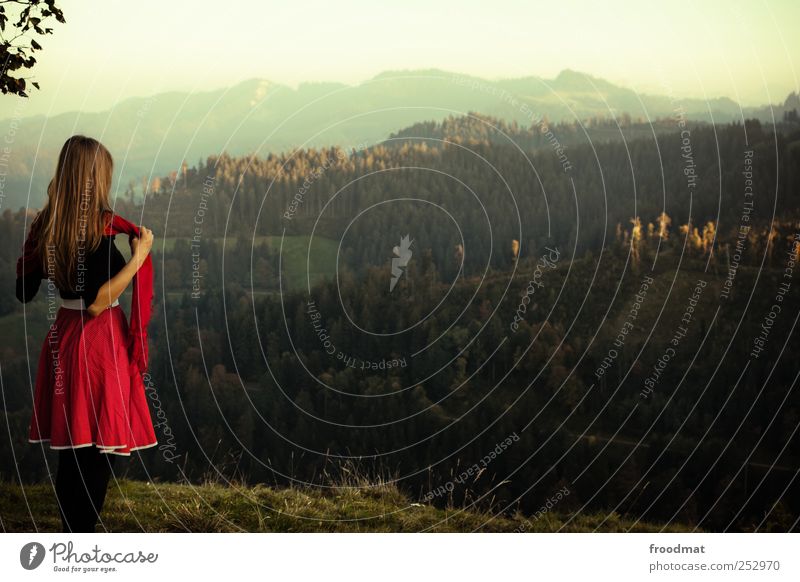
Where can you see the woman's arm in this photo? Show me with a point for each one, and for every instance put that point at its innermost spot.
(113, 288)
(28, 286)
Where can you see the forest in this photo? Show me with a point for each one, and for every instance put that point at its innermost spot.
(614, 301)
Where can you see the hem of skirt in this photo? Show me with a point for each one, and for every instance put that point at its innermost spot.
(110, 449)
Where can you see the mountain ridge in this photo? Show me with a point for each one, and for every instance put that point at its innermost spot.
(153, 135)
(564, 78)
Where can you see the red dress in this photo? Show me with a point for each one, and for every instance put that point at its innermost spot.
(89, 387)
(85, 392)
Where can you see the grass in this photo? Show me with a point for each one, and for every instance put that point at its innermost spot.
(136, 506)
(298, 266)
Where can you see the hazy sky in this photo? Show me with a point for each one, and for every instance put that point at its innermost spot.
(113, 49)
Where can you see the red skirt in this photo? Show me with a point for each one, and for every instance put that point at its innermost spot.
(87, 391)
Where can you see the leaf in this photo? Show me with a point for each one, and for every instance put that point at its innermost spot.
(35, 45)
(35, 84)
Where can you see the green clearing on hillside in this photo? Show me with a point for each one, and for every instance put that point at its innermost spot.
(322, 262)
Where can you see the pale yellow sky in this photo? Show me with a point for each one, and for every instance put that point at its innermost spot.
(113, 49)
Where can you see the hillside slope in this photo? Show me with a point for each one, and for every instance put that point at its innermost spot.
(137, 506)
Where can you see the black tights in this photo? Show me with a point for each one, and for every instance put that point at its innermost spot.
(81, 485)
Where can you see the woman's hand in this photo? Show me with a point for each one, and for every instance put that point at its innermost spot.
(113, 288)
(94, 310)
(141, 245)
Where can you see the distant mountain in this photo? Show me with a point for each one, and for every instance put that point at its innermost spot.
(154, 135)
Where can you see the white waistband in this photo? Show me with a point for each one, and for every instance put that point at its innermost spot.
(78, 303)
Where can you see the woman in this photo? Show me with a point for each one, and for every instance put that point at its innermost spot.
(89, 402)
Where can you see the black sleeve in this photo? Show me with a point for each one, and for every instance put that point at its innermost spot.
(105, 262)
(117, 260)
(27, 286)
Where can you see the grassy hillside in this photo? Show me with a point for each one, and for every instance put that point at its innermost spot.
(134, 506)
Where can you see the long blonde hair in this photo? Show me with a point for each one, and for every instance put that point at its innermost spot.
(72, 222)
